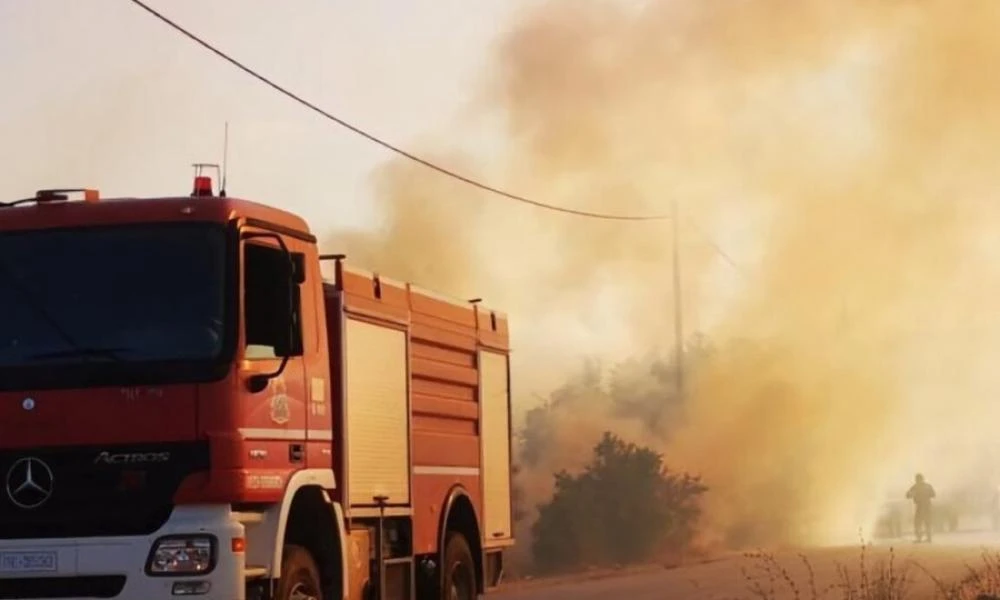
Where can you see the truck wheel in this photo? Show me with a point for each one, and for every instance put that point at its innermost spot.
(299, 576)
(458, 569)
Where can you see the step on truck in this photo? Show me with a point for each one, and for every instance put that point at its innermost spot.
(189, 409)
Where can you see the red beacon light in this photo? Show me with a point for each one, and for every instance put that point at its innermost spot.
(203, 183)
(202, 186)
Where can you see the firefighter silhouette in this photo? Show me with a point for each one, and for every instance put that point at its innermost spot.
(921, 493)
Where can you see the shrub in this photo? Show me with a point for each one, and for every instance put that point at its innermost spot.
(623, 508)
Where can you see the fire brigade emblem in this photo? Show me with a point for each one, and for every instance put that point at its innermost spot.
(280, 413)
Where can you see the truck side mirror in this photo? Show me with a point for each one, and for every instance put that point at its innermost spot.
(257, 383)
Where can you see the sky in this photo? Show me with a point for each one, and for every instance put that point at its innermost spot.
(101, 94)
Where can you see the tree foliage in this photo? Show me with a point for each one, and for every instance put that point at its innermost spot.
(624, 507)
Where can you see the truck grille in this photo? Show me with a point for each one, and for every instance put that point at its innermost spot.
(105, 586)
(95, 490)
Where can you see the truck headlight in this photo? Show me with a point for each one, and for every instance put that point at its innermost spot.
(182, 555)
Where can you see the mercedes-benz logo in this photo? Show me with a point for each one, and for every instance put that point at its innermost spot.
(29, 483)
(28, 404)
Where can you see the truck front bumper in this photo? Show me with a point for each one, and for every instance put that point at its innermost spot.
(116, 567)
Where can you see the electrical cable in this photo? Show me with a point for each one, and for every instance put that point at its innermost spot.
(371, 137)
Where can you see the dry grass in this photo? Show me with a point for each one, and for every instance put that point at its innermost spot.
(771, 579)
(884, 580)
(982, 583)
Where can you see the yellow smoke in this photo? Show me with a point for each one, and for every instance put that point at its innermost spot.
(852, 146)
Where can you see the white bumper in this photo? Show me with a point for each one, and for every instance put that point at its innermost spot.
(82, 558)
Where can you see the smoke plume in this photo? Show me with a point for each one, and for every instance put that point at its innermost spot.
(840, 155)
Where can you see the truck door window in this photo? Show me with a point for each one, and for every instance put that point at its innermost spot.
(266, 281)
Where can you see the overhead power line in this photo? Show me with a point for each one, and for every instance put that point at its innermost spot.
(381, 142)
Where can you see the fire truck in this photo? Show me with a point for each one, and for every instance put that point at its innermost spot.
(189, 409)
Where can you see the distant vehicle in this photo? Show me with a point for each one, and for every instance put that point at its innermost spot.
(895, 518)
(946, 516)
(891, 517)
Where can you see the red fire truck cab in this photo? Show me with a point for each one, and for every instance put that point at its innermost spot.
(187, 408)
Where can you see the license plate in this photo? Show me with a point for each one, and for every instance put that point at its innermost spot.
(28, 562)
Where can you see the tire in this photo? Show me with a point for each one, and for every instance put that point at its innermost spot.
(458, 571)
(300, 578)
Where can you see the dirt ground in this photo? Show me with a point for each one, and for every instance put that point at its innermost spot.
(722, 578)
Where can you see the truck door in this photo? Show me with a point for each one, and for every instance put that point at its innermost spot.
(272, 330)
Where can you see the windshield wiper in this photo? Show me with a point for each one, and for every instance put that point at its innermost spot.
(111, 353)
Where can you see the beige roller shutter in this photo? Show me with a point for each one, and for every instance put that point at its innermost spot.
(377, 433)
(495, 431)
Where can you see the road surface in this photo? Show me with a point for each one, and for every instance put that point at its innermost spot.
(722, 578)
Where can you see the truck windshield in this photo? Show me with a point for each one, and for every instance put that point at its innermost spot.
(114, 295)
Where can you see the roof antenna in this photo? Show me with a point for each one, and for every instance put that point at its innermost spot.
(225, 161)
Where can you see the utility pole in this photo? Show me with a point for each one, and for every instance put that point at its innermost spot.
(678, 319)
